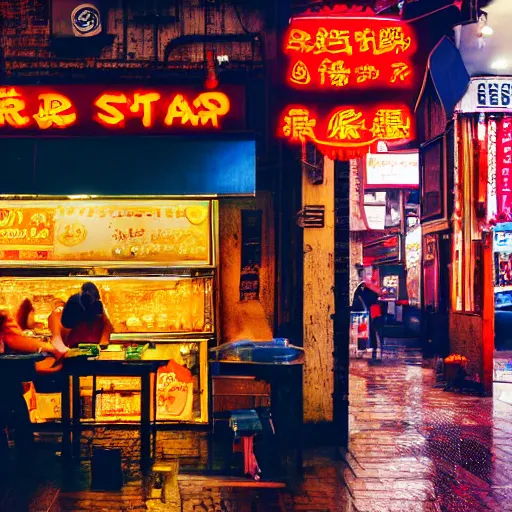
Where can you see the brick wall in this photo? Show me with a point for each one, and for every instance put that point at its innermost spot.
(466, 339)
(190, 447)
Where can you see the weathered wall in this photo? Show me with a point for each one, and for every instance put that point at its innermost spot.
(26, 30)
(319, 302)
(252, 319)
(466, 339)
(356, 258)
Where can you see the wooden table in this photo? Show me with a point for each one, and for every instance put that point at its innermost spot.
(71, 420)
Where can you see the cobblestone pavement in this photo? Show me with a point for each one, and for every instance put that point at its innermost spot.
(414, 447)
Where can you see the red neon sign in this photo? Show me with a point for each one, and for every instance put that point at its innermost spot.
(347, 131)
(76, 108)
(349, 52)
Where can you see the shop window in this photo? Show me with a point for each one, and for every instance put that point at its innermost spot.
(431, 169)
(467, 267)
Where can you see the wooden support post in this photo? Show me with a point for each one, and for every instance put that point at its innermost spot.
(488, 313)
(319, 301)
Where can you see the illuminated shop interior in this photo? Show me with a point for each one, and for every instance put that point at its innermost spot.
(154, 263)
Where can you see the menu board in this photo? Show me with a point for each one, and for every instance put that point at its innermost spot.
(389, 287)
(164, 232)
(26, 228)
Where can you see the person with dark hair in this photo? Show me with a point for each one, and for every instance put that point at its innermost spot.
(82, 319)
(13, 408)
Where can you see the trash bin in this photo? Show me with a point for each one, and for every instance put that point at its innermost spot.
(106, 470)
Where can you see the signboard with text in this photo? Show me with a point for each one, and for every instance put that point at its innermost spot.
(504, 165)
(346, 130)
(80, 109)
(392, 170)
(352, 52)
(490, 94)
(349, 52)
(170, 232)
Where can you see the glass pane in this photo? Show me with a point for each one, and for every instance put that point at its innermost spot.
(132, 304)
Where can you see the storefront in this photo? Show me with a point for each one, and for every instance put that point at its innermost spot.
(391, 244)
(119, 187)
(481, 270)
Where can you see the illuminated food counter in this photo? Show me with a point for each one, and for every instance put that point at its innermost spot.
(154, 265)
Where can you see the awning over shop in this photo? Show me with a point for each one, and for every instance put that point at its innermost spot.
(446, 71)
(127, 166)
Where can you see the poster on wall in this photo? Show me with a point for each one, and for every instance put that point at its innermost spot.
(250, 260)
(389, 287)
(174, 392)
(413, 264)
(375, 208)
(376, 217)
(431, 272)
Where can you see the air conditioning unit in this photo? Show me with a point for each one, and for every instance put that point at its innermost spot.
(77, 18)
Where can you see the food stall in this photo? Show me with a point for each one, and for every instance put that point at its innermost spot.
(119, 186)
(153, 263)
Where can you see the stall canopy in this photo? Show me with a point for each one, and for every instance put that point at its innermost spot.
(128, 166)
(446, 71)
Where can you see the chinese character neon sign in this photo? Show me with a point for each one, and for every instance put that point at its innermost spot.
(349, 52)
(44, 109)
(346, 131)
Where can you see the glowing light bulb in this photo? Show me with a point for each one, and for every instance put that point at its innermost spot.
(487, 31)
(499, 64)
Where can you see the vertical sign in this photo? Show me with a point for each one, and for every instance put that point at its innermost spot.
(504, 165)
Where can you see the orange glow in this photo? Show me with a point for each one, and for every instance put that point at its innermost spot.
(349, 51)
(209, 106)
(145, 100)
(113, 116)
(84, 108)
(216, 104)
(352, 128)
(300, 74)
(180, 109)
(54, 109)
(11, 108)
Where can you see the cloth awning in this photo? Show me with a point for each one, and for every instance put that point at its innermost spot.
(446, 71)
(116, 166)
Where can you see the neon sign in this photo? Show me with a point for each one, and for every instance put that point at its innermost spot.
(75, 108)
(344, 52)
(347, 131)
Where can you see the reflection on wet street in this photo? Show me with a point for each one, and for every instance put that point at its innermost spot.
(414, 447)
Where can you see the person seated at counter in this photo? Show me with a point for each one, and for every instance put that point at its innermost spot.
(13, 341)
(83, 319)
(13, 408)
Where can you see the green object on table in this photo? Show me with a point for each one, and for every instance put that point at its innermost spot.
(135, 353)
(90, 348)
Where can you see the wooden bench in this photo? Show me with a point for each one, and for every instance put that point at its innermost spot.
(168, 471)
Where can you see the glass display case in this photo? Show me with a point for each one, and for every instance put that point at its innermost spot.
(154, 264)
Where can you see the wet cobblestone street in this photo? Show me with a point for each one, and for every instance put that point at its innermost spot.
(414, 447)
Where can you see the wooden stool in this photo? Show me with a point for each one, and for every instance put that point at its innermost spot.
(169, 470)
